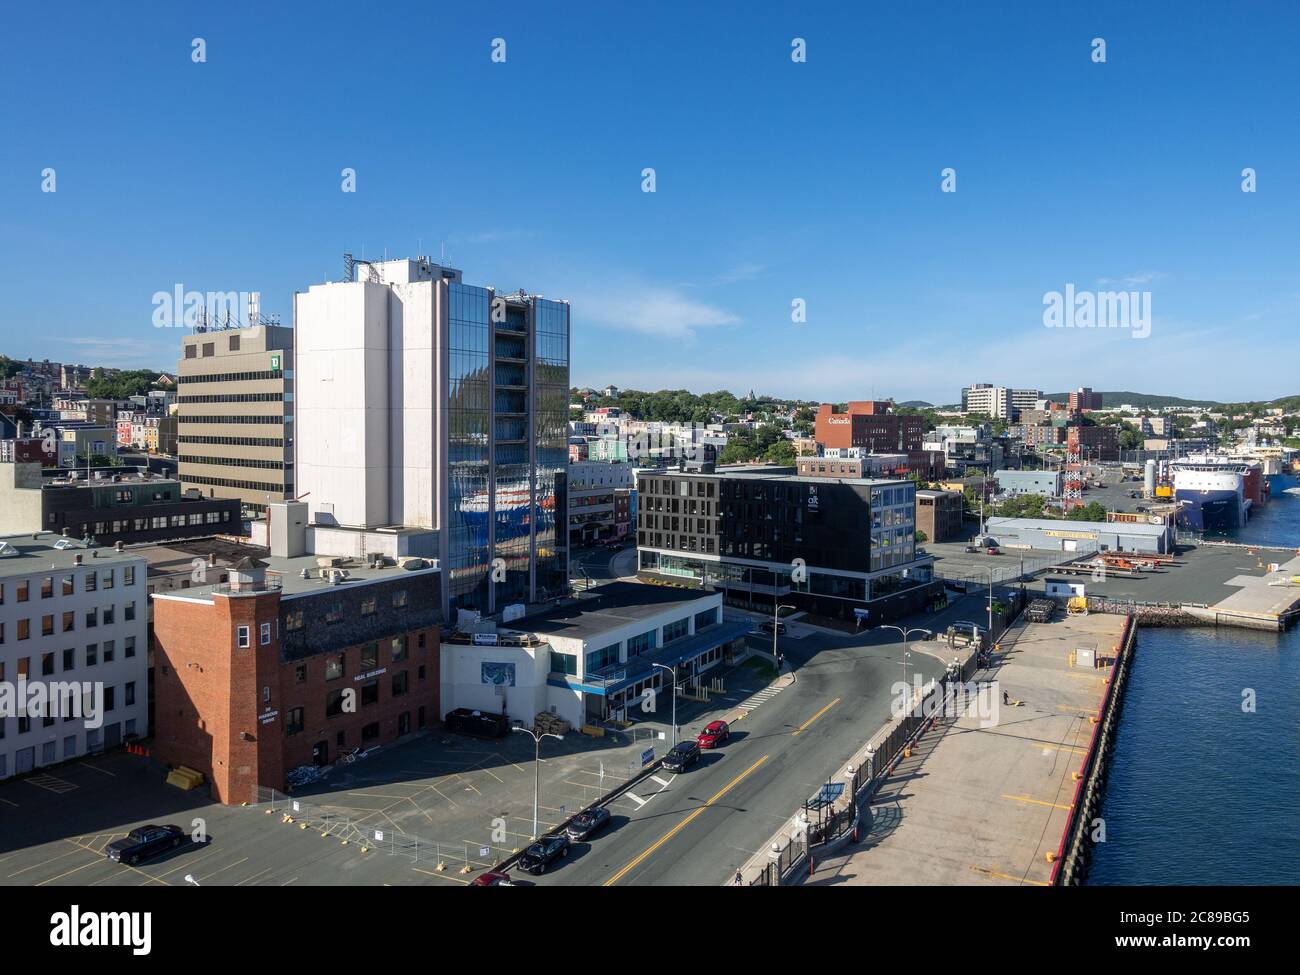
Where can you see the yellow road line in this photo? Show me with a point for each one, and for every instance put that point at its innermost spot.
(1007, 876)
(1059, 748)
(1036, 802)
(1066, 707)
(816, 716)
(684, 823)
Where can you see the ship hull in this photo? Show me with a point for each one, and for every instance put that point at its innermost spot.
(1210, 511)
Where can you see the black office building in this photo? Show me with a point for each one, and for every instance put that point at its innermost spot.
(829, 546)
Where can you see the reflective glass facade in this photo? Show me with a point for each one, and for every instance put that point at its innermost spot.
(468, 456)
(551, 441)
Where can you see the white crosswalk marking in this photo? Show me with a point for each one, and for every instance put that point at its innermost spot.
(637, 799)
(762, 697)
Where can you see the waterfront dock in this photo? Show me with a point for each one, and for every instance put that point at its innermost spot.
(977, 805)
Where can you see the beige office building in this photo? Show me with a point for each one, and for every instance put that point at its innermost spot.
(235, 414)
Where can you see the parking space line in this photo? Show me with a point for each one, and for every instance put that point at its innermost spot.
(662, 782)
(1036, 802)
(50, 860)
(98, 769)
(8, 803)
(637, 799)
(92, 863)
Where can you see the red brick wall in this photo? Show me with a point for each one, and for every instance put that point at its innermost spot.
(208, 691)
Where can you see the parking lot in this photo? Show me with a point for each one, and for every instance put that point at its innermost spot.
(422, 811)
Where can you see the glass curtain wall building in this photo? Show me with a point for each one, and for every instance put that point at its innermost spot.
(508, 411)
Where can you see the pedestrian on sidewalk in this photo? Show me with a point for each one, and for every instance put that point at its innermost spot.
(739, 879)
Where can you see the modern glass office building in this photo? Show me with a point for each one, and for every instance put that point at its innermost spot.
(435, 424)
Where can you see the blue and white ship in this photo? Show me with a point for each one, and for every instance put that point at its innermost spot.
(1210, 491)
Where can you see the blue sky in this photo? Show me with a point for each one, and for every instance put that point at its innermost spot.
(774, 181)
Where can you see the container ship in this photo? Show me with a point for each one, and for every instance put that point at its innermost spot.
(1216, 493)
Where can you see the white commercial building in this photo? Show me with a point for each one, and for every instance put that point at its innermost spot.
(73, 650)
(594, 659)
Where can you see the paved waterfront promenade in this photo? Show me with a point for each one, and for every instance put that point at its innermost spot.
(984, 805)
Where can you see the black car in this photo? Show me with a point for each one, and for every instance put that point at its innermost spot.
(144, 842)
(768, 624)
(543, 853)
(587, 824)
(682, 756)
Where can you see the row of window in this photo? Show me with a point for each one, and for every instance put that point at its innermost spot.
(231, 377)
(92, 655)
(235, 398)
(227, 482)
(118, 526)
(336, 612)
(67, 583)
(235, 441)
(270, 465)
(69, 709)
(274, 418)
(23, 629)
(680, 543)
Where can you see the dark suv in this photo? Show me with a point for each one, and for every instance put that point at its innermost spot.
(543, 853)
(682, 756)
(144, 842)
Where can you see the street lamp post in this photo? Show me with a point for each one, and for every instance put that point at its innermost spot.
(905, 633)
(672, 673)
(537, 766)
(989, 570)
(776, 622)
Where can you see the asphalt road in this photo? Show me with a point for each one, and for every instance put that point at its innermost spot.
(698, 828)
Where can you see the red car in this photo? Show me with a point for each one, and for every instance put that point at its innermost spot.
(714, 735)
(492, 878)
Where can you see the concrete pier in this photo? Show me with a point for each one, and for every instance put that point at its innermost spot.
(981, 803)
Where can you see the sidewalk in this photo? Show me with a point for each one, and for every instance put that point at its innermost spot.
(979, 805)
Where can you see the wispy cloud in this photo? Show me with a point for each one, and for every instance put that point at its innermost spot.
(741, 272)
(652, 310)
(1133, 280)
(492, 236)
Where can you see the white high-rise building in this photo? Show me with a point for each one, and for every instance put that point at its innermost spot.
(432, 419)
(1000, 402)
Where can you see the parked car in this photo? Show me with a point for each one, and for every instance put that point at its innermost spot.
(993, 550)
(682, 756)
(973, 549)
(613, 546)
(767, 627)
(145, 842)
(492, 878)
(543, 853)
(587, 824)
(715, 735)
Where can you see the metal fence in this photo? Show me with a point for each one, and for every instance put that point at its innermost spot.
(340, 824)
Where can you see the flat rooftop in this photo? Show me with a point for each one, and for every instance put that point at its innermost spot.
(777, 473)
(34, 551)
(610, 606)
(1059, 524)
(288, 572)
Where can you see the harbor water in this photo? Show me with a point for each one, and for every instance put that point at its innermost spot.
(1204, 790)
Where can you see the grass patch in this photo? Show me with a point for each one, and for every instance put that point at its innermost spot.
(761, 666)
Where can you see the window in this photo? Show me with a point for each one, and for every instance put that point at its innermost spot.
(128, 647)
(293, 722)
(334, 703)
(401, 683)
(110, 651)
(293, 620)
(399, 599)
(24, 629)
(69, 622)
(47, 664)
(334, 667)
(241, 637)
(109, 615)
(370, 732)
(564, 663)
(676, 629)
(300, 673)
(128, 611)
(369, 657)
(92, 654)
(335, 613)
(22, 591)
(47, 587)
(368, 606)
(638, 645)
(603, 657)
(128, 694)
(92, 618)
(128, 575)
(401, 648)
(69, 660)
(706, 618)
(47, 625)
(264, 631)
(370, 692)
(109, 577)
(110, 698)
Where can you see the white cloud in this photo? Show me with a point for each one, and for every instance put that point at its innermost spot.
(1133, 280)
(741, 272)
(661, 311)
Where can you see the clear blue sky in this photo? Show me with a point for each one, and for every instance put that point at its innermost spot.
(775, 180)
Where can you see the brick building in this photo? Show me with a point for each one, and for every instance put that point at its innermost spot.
(291, 667)
(938, 514)
(870, 426)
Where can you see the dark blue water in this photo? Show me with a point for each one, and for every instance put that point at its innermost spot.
(1200, 791)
